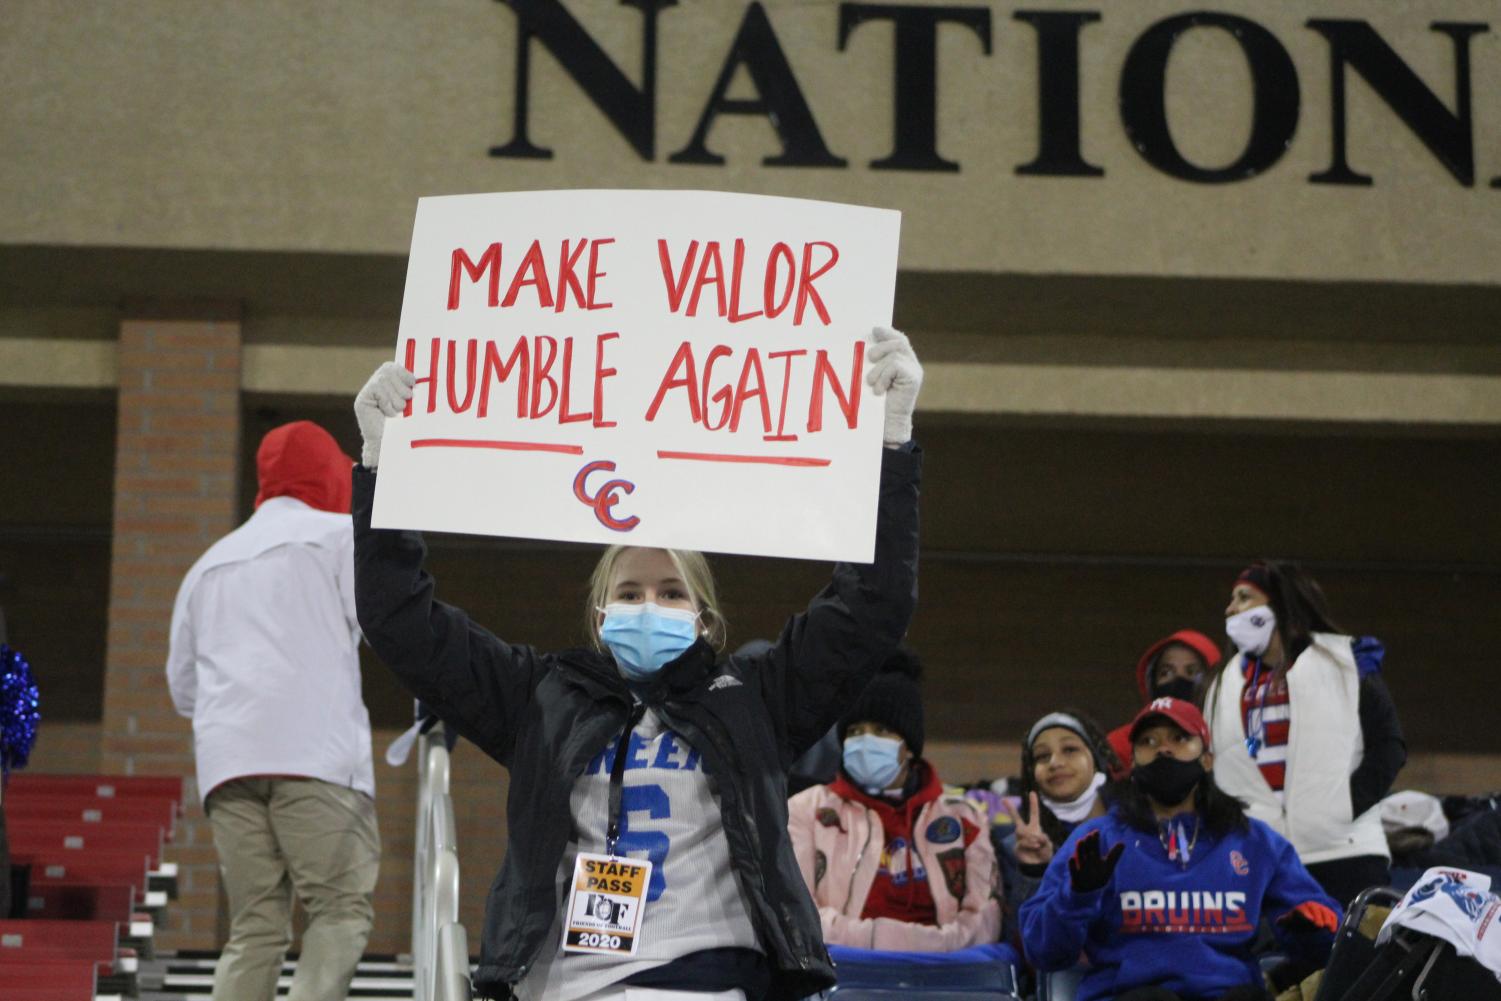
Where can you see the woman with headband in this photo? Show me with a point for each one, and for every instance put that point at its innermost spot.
(1066, 764)
(1305, 730)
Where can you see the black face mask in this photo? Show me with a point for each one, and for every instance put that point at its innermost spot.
(1168, 780)
(1184, 689)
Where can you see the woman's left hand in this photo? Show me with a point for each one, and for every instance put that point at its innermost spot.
(1088, 870)
(1310, 916)
(896, 374)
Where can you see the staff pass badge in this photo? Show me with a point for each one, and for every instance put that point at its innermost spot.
(606, 904)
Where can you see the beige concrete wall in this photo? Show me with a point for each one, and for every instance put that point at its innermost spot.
(313, 125)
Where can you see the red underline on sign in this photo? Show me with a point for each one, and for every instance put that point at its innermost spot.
(507, 446)
(770, 460)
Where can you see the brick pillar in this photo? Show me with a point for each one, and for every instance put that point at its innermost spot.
(176, 456)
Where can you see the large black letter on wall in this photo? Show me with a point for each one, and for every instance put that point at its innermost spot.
(1058, 153)
(781, 101)
(630, 109)
(1447, 134)
(1274, 82)
(915, 85)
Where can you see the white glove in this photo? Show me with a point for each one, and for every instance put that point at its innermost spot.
(385, 395)
(896, 374)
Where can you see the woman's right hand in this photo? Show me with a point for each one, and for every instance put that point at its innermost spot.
(385, 395)
(1033, 847)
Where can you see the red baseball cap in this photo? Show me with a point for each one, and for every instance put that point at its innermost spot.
(1184, 714)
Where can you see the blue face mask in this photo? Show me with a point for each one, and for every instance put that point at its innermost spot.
(646, 637)
(872, 761)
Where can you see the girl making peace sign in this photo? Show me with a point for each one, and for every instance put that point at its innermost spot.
(1066, 761)
(1164, 894)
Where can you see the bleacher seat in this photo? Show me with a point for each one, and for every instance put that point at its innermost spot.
(1061, 985)
(66, 901)
(95, 941)
(161, 811)
(979, 973)
(131, 868)
(48, 836)
(41, 980)
(107, 787)
(90, 847)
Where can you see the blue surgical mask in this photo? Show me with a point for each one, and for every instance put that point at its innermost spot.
(872, 761)
(645, 637)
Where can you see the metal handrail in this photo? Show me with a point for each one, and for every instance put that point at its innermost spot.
(436, 832)
(441, 902)
(435, 880)
(453, 965)
(437, 768)
(444, 833)
(425, 743)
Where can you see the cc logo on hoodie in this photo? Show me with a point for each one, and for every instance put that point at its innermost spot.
(604, 499)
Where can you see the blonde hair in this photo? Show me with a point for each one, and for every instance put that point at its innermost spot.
(691, 566)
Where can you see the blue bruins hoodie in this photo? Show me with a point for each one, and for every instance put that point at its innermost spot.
(1186, 928)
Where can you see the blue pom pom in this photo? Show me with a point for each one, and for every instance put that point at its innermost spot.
(19, 714)
(1369, 653)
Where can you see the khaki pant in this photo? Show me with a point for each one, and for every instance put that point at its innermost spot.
(276, 836)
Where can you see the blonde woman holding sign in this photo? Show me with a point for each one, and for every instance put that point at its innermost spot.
(648, 850)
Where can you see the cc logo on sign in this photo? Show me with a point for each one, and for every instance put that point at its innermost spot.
(604, 499)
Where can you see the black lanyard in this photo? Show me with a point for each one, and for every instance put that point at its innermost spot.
(617, 777)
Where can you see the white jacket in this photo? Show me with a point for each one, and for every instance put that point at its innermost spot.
(1324, 747)
(264, 652)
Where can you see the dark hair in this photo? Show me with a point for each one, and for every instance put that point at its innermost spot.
(1221, 811)
(1104, 761)
(1301, 609)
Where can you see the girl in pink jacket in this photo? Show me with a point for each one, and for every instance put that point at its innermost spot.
(891, 861)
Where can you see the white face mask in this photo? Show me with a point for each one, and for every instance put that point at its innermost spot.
(1074, 811)
(1252, 629)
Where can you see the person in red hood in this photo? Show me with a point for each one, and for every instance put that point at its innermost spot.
(302, 460)
(264, 660)
(1176, 666)
(893, 862)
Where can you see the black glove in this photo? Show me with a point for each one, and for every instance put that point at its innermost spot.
(1310, 916)
(1087, 871)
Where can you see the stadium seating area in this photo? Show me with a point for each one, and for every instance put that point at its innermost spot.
(93, 882)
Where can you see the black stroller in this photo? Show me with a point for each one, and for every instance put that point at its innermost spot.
(1411, 966)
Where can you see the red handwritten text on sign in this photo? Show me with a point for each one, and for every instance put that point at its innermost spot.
(785, 278)
(545, 380)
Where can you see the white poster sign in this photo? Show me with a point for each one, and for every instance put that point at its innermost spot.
(659, 368)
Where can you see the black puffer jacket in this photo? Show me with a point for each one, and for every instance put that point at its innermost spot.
(544, 716)
(1474, 843)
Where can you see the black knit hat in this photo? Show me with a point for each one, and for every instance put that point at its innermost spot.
(894, 699)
